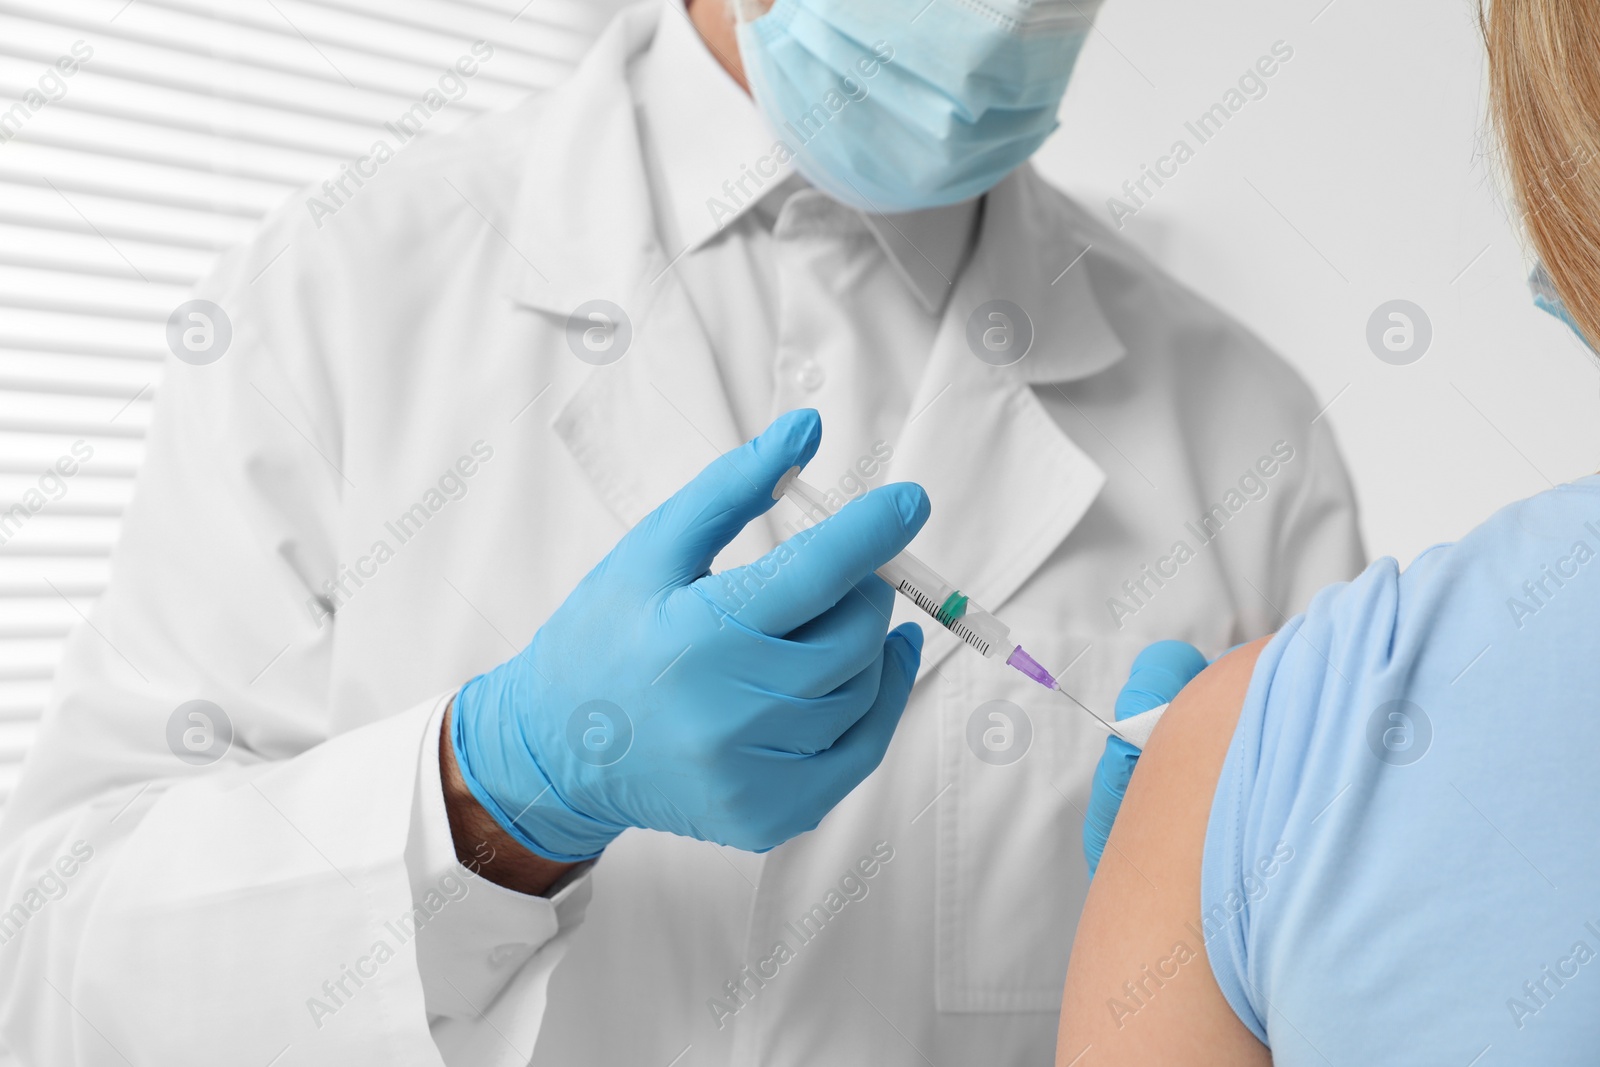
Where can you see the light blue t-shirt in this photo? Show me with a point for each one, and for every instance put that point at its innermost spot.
(1402, 863)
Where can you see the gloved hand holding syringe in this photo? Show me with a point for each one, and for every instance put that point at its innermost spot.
(956, 612)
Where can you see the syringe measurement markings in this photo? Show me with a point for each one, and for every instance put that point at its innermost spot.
(926, 603)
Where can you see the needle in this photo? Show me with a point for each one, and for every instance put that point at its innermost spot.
(1092, 715)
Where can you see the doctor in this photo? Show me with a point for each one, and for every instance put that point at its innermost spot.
(245, 835)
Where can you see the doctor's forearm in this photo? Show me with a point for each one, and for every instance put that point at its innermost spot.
(471, 827)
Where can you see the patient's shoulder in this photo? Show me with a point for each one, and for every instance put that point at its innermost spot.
(1139, 986)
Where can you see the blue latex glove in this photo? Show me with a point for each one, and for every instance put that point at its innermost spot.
(1159, 673)
(737, 707)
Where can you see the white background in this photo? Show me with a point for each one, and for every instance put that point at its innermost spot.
(1367, 173)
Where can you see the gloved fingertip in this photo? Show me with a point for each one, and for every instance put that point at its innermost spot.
(1227, 653)
(792, 436)
(912, 635)
(1177, 657)
(1158, 675)
(1094, 839)
(911, 501)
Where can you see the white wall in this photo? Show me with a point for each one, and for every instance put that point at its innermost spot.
(1364, 174)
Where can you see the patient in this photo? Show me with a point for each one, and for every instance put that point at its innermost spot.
(1375, 837)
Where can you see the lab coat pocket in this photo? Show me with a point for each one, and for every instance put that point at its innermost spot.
(1011, 872)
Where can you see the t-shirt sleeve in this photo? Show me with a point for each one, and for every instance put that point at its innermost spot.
(1399, 853)
(1270, 771)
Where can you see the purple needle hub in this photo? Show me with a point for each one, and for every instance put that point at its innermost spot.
(1030, 666)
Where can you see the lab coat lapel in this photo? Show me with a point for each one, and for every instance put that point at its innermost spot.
(641, 426)
(1006, 483)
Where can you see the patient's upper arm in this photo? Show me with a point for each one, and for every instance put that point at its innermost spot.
(1139, 986)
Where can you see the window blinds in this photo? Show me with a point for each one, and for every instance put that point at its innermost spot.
(138, 139)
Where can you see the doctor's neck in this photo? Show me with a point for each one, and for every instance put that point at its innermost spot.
(714, 19)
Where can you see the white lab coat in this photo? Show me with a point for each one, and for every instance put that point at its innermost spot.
(427, 317)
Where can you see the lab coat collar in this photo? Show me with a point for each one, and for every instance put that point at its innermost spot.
(716, 160)
(928, 248)
(563, 265)
(582, 235)
(1040, 257)
(715, 157)
(644, 425)
(1007, 484)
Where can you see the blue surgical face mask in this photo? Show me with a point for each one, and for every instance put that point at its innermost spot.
(899, 105)
(1545, 298)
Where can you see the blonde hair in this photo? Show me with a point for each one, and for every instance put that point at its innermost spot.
(1544, 74)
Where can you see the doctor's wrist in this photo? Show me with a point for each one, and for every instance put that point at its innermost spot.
(477, 834)
(509, 776)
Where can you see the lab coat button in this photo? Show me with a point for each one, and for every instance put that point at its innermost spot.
(504, 954)
(809, 376)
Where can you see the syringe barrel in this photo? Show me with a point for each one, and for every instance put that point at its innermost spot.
(917, 581)
(909, 575)
(922, 585)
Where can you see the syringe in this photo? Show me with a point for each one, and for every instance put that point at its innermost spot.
(980, 630)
